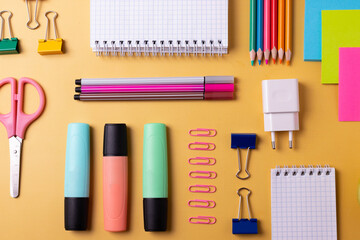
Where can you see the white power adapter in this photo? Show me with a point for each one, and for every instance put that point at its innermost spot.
(281, 107)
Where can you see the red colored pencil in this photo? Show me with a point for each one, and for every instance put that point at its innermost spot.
(274, 29)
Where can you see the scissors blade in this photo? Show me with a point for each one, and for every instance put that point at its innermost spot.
(15, 144)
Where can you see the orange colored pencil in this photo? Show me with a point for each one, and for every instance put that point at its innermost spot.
(288, 30)
(281, 29)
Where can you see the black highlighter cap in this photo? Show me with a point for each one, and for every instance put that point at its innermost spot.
(155, 214)
(76, 213)
(115, 140)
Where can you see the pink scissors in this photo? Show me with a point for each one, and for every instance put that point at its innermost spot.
(16, 122)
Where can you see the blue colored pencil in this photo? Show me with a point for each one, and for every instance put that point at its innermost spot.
(260, 29)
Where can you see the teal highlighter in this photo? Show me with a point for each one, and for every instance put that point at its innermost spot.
(77, 169)
(155, 177)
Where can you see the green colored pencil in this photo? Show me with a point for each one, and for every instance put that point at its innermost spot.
(252, 31)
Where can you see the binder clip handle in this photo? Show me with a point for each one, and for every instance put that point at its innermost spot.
(2, 24)
(247, 201)
(244, 225)
(29, 15)
(246, 165)
(48, 22)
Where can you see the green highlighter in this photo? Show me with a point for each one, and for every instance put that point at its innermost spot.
(155, 177)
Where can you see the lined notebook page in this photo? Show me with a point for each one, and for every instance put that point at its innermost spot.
(159, 20)
(303, 206)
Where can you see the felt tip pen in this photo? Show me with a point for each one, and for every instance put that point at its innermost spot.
(77, 168)
(115, 177)
(155, 96)
(155, 81)
(155, 177)
(155, 88)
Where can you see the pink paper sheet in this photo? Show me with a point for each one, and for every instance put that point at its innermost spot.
(349, 84)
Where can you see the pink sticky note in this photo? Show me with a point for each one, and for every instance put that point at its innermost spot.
(349, 84)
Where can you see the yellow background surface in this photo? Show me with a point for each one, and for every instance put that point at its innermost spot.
(38, 212)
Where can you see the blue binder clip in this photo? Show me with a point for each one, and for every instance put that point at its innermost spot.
(7, 45)
(243, 141)
(244, 225)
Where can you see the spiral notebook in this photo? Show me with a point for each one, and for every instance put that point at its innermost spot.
(303, 203)
(159, 27)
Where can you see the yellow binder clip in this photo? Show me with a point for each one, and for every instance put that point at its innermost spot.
(50, 46)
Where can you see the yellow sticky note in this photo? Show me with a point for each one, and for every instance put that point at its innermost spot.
(340, 28)
(50, 46)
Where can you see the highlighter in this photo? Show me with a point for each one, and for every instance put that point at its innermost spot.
(155, 177)
(77, 168)
(115, 177)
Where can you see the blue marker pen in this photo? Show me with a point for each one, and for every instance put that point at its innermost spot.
(77, 168)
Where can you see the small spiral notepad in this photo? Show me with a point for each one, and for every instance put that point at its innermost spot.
(303, 203)
(159, 27)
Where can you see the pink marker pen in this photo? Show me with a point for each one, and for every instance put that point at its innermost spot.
(115, 177)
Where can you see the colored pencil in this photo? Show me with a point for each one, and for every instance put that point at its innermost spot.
(267, 30)
(252, 31)
(274, 29)
(288, 30)
(281, 29)
(260, 29)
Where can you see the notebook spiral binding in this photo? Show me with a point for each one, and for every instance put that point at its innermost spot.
(162, 48)
(303, 171)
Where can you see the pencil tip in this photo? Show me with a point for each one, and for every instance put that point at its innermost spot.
(274, 61)
(252, 63)
(280, 61)
(259, 62)
(266, 61)
(288, 63)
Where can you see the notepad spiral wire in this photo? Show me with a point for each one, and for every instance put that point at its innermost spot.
(161, 48)
(303, 171)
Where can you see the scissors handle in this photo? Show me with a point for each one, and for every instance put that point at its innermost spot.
(9, 119)
(23, 119)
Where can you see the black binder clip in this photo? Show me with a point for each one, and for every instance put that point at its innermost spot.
(243, 141)
(244, 225)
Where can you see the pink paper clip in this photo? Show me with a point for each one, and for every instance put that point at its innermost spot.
(203, 174)
(207, 132)
(202, 220)
(200, 203)
(202, 161)
(206, 146)
(206, 188)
